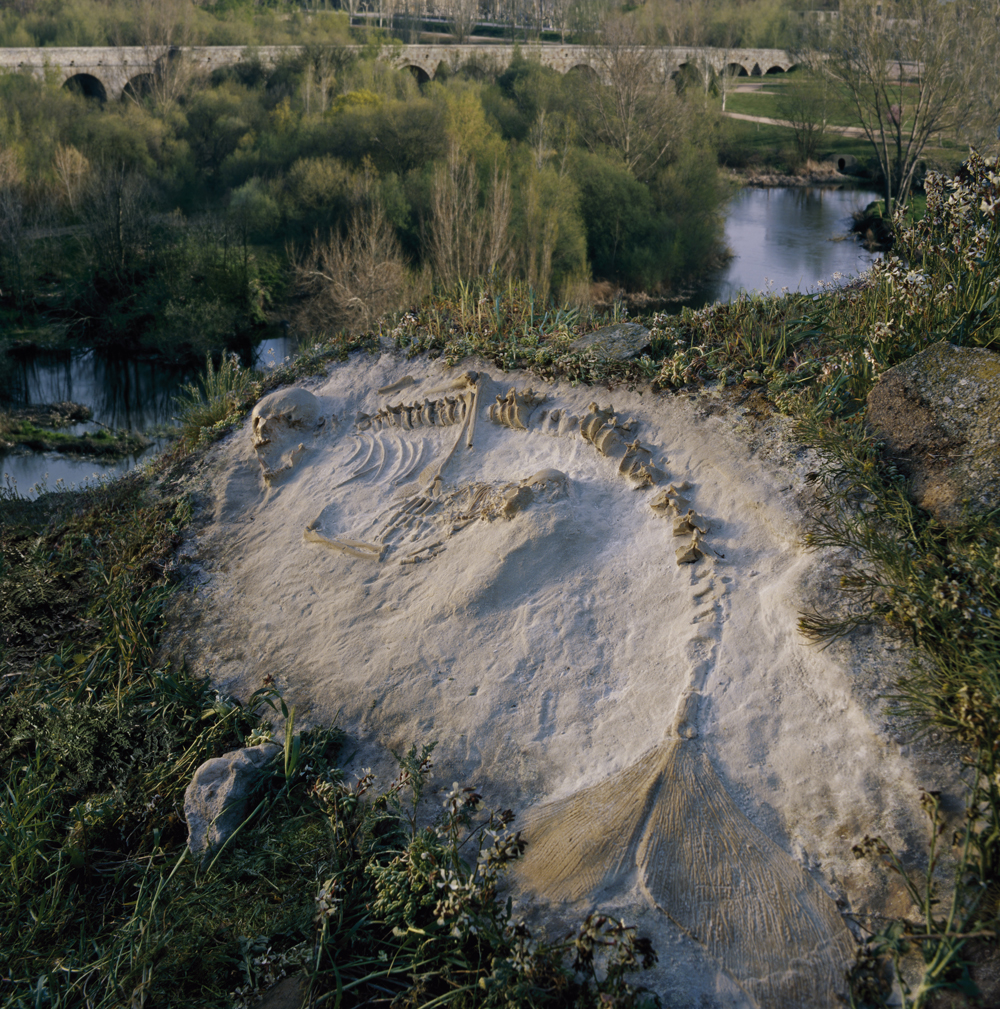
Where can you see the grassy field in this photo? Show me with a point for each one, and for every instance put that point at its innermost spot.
(763, 145)
(943, 154)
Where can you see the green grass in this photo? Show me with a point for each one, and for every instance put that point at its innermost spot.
(221, 394)
(760, 145)
(107, 444)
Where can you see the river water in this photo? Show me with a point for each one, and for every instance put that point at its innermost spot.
(781, 238)
(788, 238)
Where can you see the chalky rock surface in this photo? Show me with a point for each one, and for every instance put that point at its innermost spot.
(591, 606)
(620, 342)
(939, 416)
(215, 802)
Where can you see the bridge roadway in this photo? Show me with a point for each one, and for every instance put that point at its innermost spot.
(107, 72)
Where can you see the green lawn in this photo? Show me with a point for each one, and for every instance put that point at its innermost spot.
(840, 112)
(748, 145)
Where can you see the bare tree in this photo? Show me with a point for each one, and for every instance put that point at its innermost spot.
(324, 66)
(72, 167)
(630, 108)
(464, 18)
(350, 281)
(912, 70)
(161, 28)
(14, 246)
(117, 223)
(804, 104)
(465, 239)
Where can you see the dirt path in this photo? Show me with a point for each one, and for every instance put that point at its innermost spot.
(847, 131)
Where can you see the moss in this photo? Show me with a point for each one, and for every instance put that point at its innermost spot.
(26, 434)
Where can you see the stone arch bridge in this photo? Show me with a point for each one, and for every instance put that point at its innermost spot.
(112, 72)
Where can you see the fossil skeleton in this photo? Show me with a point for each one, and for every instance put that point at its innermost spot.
(700, 860)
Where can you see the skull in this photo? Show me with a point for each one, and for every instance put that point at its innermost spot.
(277, 420)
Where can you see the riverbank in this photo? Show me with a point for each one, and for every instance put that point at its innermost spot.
(40, 429)
(811, 173)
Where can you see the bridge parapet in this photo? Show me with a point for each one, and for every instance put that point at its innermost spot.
(107, 71)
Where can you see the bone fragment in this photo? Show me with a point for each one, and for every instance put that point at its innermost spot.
(474, 410)
(514, 410)
(404, 383)
(690, 553)
(464, 381)
(516, 499)
(646, 475)
(353, 548)
(688, 523)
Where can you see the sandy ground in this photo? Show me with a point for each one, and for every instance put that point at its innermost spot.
(547, 654)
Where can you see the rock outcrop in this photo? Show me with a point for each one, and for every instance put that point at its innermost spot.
(215, 803)
(939, 416)
(620, 342)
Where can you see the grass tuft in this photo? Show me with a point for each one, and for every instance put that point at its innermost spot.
(221, 396)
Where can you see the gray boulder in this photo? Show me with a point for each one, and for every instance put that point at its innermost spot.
(939, 416)
(215, 803)
(620, 342)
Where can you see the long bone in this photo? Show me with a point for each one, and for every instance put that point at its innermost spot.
(353, 548)
(404, 383)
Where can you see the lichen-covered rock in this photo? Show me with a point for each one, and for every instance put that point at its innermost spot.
(939, 416)
(620, 342)
(215, 803)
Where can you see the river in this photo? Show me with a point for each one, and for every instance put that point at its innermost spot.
(781, 238)
(790, 238)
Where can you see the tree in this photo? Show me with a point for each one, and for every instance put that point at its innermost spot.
(913, 68)
(629, 109)
(804, 103)
(161, 29)
(350, 281)
(117, 219)
(468, 234)
(464, 17)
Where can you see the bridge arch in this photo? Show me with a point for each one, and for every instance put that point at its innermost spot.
(420, 75)
(736, 70)
(687, 75)
(87, 85)
(139, 87)
(584, 69)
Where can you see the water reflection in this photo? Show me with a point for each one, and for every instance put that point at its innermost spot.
(124, 394)
(792, 238)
